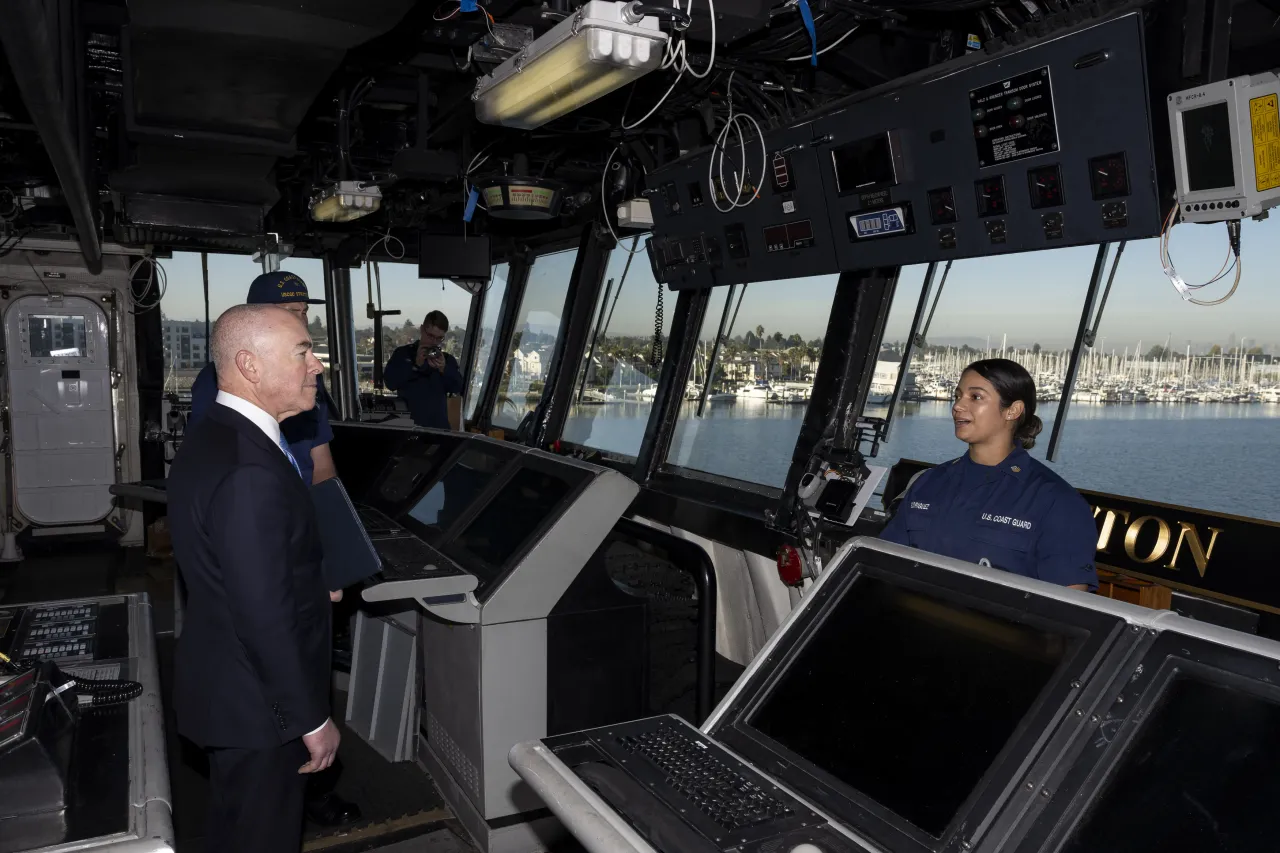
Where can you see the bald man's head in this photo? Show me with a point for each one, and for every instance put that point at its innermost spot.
(262, 353)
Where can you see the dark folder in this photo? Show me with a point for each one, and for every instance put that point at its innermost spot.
(349, 556)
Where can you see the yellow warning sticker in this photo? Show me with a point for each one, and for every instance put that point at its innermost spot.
(1264, 113)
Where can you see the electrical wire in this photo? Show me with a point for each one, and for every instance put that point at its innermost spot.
(834, 44)
(715, 163)
(1185, 290)
(158, 278)
(604, 204)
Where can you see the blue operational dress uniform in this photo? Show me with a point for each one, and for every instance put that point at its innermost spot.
(303, 431)
(1018, 516)
(424, 390)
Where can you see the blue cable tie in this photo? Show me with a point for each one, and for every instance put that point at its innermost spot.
(471, 205)
(806, 14)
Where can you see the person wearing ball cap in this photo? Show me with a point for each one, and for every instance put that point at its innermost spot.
(308, 435)
(996, 505)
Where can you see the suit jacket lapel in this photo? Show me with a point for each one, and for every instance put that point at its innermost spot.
(230, 417)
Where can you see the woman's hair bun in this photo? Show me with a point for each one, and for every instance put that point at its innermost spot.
(1028, 430)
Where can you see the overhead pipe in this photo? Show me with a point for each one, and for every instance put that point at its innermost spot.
(32, 54)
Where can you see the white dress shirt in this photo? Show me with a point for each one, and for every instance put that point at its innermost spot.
(269, 425)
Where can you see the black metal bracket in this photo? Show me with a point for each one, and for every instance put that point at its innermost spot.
(915, 339)
(1083, 339)
(585, 285)
(831, 428)
(686, 324)
(517, 279)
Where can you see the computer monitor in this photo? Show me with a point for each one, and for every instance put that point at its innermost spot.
(1182, 761)
(908, 697)
(523, 508)
(457, 490)
(412, 465)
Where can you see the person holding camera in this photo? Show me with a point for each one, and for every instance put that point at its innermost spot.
(424, 375)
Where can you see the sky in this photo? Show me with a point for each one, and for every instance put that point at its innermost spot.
(1032, 298)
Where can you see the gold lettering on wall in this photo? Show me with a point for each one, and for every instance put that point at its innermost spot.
(1108, 525)
(1199, 554)
(1163, 537)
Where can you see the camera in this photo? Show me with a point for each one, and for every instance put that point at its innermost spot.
(433, 352)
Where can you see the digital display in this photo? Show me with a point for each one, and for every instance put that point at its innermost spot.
(885, 222)
(445, 502)
(791, 235)
(1206, 146)
(1200, 775)
(866, 164)
(515, 514)
(908, 699)
(1109, 176)
(991, 198)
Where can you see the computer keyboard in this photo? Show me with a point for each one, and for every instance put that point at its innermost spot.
(412, 559)
(377, 523)
(722, 794)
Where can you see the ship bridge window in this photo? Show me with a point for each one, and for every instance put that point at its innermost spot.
(537, 329)
(618, 377)
(1180, 403)
(183, 323)
(761, 381)
(401, 290)
(494, 295)
(1024, 307)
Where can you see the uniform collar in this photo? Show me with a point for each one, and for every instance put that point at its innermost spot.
(1016, 464)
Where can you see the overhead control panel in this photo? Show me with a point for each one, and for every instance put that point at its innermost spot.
(778, 228)
(1044, 147)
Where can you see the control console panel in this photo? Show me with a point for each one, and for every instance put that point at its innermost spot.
(1039, 148)
(67, 633)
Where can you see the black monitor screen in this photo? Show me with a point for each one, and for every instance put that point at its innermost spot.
(507, 522)
(1200, 776)
(865, 164)
(1206, 143)
(407, 472)
(445, 502)
(909, 699)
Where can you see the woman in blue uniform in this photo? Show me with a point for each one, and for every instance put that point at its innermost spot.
(995, 505)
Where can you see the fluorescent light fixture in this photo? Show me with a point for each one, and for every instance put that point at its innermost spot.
(345, 201)
(584, 57)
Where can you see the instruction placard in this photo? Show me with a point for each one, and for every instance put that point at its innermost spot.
(1264, 117)
(1014, 118)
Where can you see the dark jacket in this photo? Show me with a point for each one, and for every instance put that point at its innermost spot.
(252, 667)
(303, 431)
(423, 390)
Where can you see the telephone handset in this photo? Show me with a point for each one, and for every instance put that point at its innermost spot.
(39, 707)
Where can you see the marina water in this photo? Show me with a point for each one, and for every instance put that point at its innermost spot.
(1220, 457)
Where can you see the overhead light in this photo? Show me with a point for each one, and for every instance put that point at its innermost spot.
(345, 201)
(600, 48)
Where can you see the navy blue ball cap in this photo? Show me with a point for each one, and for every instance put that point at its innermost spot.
(277, 288)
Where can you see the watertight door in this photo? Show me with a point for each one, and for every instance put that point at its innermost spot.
(59, 384)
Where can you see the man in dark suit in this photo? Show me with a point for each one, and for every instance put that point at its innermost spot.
(251, 682)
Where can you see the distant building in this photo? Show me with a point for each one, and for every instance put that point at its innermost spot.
(185, 345)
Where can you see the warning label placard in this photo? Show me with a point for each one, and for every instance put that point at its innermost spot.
(1264, 117)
